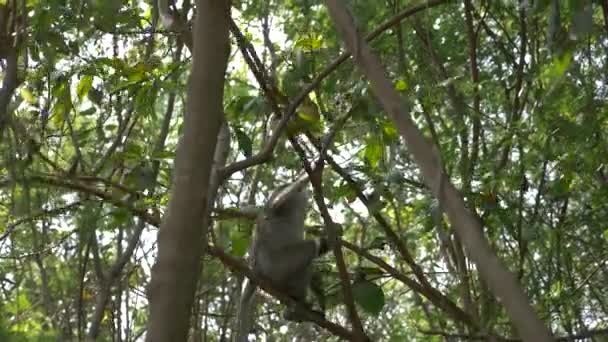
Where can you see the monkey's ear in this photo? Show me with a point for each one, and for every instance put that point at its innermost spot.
(286, 192)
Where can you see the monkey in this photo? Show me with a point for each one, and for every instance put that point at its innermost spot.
(280, 253)
(165, 12)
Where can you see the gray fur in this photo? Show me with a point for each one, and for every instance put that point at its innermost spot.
(280, 253)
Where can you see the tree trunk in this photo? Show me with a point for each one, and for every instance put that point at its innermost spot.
(183, 233)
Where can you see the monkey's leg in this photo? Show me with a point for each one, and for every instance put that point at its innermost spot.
(316, 286)
(294, 257)
(295, 313)
(289, 267)
(297, 287)
(245, 312)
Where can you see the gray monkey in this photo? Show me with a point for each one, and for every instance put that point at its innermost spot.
(280, 253)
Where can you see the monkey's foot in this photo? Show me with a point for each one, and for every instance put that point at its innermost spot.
(298, 314)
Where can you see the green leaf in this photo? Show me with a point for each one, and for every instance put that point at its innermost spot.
(244, 141)
(63, 104)
(309, 44)
(556, 289)
(120, 216)
(373, 153)
(89, 111)
(242, 103)
(163, 155)
(541, 5)
(22, 302)
(557, 69)
(401, 85)
(239, 244)
(345, 190)
(369, 296)
(144, 100)
(110, 127)
(84, 86)
(133, 152)
(389, 130)
(27, 95)
(562, 63)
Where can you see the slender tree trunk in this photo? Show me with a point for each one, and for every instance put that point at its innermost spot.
(182, 237)
(501, 281)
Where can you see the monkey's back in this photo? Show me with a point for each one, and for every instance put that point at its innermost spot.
(277, 230)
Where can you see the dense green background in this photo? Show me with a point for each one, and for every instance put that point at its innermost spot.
(512, 92)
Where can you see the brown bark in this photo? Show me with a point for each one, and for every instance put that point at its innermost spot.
(183, 232)
(502, 282)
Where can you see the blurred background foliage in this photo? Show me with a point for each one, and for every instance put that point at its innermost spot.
(513, 93)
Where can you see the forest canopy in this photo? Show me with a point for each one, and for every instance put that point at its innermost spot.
(457, 153)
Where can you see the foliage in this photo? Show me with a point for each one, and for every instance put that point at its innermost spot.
(515, 100)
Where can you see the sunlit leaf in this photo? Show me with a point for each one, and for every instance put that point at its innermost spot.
(27, 95)
(309, 43)
(84, 86)
(373, 152)
(401, 85)
(389, 130)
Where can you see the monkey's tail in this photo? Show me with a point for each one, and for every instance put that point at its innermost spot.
(245, 312)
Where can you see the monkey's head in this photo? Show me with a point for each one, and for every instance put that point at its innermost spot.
(287, 201)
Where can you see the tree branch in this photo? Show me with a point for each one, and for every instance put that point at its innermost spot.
(502, 282)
